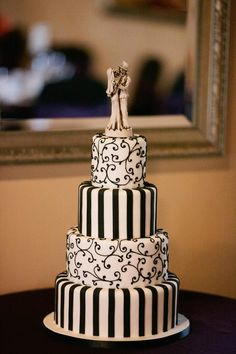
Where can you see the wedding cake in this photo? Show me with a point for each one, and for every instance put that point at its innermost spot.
(117, 285)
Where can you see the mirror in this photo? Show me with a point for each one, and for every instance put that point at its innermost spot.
(57, 74)
(44, 140)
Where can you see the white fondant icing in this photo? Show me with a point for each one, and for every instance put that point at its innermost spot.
(89, 311)
(117, 263)
(108, 217)
(76, 310)
(94, 212)
(120, 213)
(118, 162)
(134, 313)
(161, 309)
(136, 214)
(133, 322)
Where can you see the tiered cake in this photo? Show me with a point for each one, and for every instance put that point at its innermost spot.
(117, 285)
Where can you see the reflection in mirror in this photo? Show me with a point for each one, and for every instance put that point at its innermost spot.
(60, 59)
(204, 59)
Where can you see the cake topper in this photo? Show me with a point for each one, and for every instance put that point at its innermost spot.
(118, 81)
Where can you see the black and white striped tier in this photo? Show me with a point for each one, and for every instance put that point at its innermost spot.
(117, 213)
(116, 313)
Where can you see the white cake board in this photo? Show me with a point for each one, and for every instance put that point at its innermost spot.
(181, 330)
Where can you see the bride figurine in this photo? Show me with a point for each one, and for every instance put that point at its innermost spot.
(117, 90)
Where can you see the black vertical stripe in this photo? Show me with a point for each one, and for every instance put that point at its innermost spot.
(155, 208)
(56, 302)
(80, 220)
(71, 306)
(111, 312)
(89, 214)
(153, 204)
(152, 217)
(115, 212)
(96, 313)
(101, 213)
(141, 312)
(154, 309)
(129, 214)
(126, 313)
(142, 212)
(82, 309)
(80, 203)
(173, 304)
(61, 278)
(166, 305)
(173, 278)
(62, 305)
(177, 304)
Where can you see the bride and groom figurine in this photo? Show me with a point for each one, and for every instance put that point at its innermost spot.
(118, 82)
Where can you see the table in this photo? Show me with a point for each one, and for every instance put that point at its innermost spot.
(213, 327)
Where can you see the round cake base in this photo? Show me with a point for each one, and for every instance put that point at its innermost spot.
(181, 330)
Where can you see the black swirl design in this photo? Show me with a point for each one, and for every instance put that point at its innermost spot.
(117, 263)
(118, 162)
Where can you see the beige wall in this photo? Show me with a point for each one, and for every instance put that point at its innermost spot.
(197, 205)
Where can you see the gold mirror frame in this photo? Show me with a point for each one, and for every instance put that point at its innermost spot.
(205, 136)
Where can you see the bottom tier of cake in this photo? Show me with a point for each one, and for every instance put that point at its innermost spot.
(116, 313)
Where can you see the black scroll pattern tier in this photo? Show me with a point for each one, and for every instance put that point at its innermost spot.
(117, 263)
(118, 162)
(117, 213)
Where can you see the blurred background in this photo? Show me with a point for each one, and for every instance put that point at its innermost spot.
(54, 56)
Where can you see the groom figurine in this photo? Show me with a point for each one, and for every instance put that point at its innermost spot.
(117, 90)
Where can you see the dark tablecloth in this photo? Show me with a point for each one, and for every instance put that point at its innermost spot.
(213, 327)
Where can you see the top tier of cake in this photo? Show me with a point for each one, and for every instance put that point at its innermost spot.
(118, 162)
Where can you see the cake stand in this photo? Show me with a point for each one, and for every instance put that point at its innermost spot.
(180, 331)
